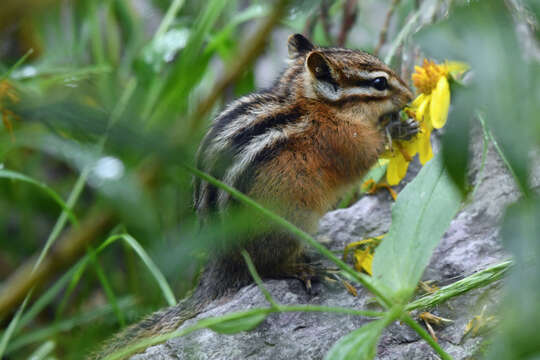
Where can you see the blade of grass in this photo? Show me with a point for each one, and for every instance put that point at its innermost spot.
(12, 325)
(44, 350)
(169, 17)
(154, 270)
(78, 271)
(479, 279)
(17, 64)
(111, 297)
(258, 280)
(13, 175)
(84, 317)
(45, 299)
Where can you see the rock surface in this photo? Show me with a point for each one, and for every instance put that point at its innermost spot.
(470, 244)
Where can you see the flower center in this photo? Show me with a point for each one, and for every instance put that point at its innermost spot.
(426, 77)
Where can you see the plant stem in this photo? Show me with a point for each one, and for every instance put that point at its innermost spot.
(207, 322)
(258, 280)
(406, 318)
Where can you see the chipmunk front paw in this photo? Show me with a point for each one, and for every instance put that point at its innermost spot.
(398, 129)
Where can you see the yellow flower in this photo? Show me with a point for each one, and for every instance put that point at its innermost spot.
(363, 253)
(431, 80)
(399, 156)
(363, 260)
(429, 109)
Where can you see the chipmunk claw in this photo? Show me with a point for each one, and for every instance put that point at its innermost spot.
(402, 130)
(310, 273)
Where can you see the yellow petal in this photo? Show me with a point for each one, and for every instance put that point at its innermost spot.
(402, 165)
(424, 146)
(440, 102)
(421, 112)
(416, 102)
(392, 176)
(363, 260)
(411, 146)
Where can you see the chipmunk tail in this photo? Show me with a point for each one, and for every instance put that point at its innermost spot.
(161, 322)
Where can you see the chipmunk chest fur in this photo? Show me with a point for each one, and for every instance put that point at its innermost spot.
(298, 144)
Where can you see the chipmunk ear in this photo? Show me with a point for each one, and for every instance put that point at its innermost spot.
(299, 45)
(319, 66)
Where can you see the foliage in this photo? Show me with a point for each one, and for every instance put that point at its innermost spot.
(101, 122)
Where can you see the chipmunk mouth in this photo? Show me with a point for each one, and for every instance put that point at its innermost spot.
(388, 118)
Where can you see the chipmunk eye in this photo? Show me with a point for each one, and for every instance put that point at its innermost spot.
(380, 83)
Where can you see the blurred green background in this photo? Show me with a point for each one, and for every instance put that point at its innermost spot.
(103, 101)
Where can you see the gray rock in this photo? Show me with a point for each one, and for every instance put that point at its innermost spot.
(471, 243)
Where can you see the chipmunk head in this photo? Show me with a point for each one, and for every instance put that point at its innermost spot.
(355, 81)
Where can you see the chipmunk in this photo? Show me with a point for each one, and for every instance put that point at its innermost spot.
(295, 147)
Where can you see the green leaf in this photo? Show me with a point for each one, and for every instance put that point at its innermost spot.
(519, 337)
(422, 213)
(239, 323)
(361, 344)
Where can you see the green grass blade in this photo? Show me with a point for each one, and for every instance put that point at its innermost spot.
(43, 351)
(78, 271)
(169, 17)
(46, 298)
(16, 65)
(13, 175)
(111, 297)
(84, 317)
(13, 325)
(154, 270)
(61, 222)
